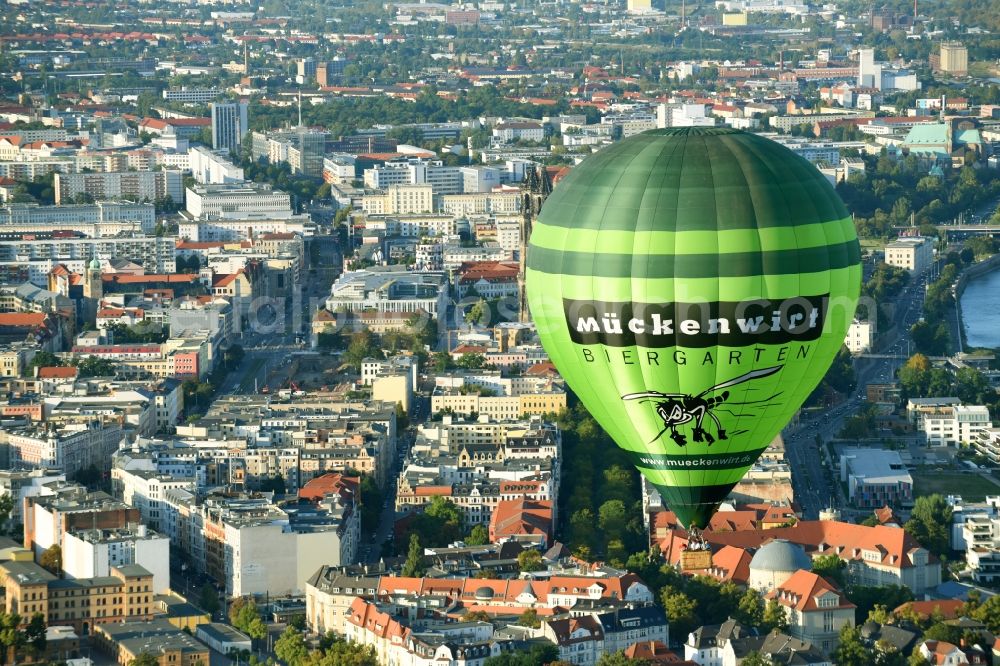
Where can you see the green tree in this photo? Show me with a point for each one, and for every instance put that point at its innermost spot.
(51, 559)
(680, 609)
(11, 637)
(930, 522)
(34, 634)
(611, 518)
(867, 597)
(755, 658)
(530, 560)
(479, 536)
(208, 599)
(988, 612)
(774, 616)
(233, 356)
(619, 659)
(414, 565)
(537, 655)
(529, 618)
(6, 508)
(751, 608)
(256, 628)
(144, 659)
(242, 613)
(363, 345)
(832, 568)
(275, 484)
(93, 366)
(851, 651)
(43, 359)
(291, 647)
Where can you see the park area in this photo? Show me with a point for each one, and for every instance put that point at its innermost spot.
(971, 486)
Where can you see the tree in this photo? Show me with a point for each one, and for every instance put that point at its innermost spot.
(988, 612)
(851, 651)
(233, 356)
(242, 612)
(880, 614)
(276, 485)
(209, 599)
(535, 656)
(476, 616)
(51, 559)
(11, 636)
(751, 608)
(144, 659)
(930, 522)
(774, 616)
(414, 565)
(256, 628)
(611, 518)
(6, 507)
(680, 609)
(832, 568)
(34, 634)
(92, 366)
(529, 618)
(43, 359)
(479, 536)
(619, 659)
(291, 647)
(755, 658)
(362, 346)
(867, 597)
(530, 560)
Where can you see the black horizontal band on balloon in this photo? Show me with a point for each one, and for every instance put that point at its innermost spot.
(696, 325)
(694, 266)
(693, 463)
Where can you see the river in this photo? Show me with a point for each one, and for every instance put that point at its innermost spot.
(981, 311)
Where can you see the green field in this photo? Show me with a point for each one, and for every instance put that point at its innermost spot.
(972, 487)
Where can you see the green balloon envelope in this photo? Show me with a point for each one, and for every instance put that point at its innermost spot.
(693, 285)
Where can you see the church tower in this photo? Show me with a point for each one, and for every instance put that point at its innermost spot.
(93, 290)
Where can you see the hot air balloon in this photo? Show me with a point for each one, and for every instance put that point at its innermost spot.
(693, 285)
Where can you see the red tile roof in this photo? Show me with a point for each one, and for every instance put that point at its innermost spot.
(949, 609)
(802, 590)
(655, 652)
(22, 318)
(893, 545)
(499, 271)
(330, 484)
(57, 372)
(521, 517)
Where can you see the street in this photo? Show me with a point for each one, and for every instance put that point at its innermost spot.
(815, 482)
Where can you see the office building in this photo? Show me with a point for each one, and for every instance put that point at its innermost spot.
(229, 124)
(914, 254)
(875, 478)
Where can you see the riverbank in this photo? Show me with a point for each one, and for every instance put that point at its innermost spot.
(977, 270)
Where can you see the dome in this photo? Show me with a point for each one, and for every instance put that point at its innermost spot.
(95, 264)
(780, 555)
(484, 593)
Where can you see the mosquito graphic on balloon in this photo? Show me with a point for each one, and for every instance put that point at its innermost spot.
(679, 408)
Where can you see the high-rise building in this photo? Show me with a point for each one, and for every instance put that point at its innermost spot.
(869, 73)
(305, 70)
(954, 58)
(229, 124)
